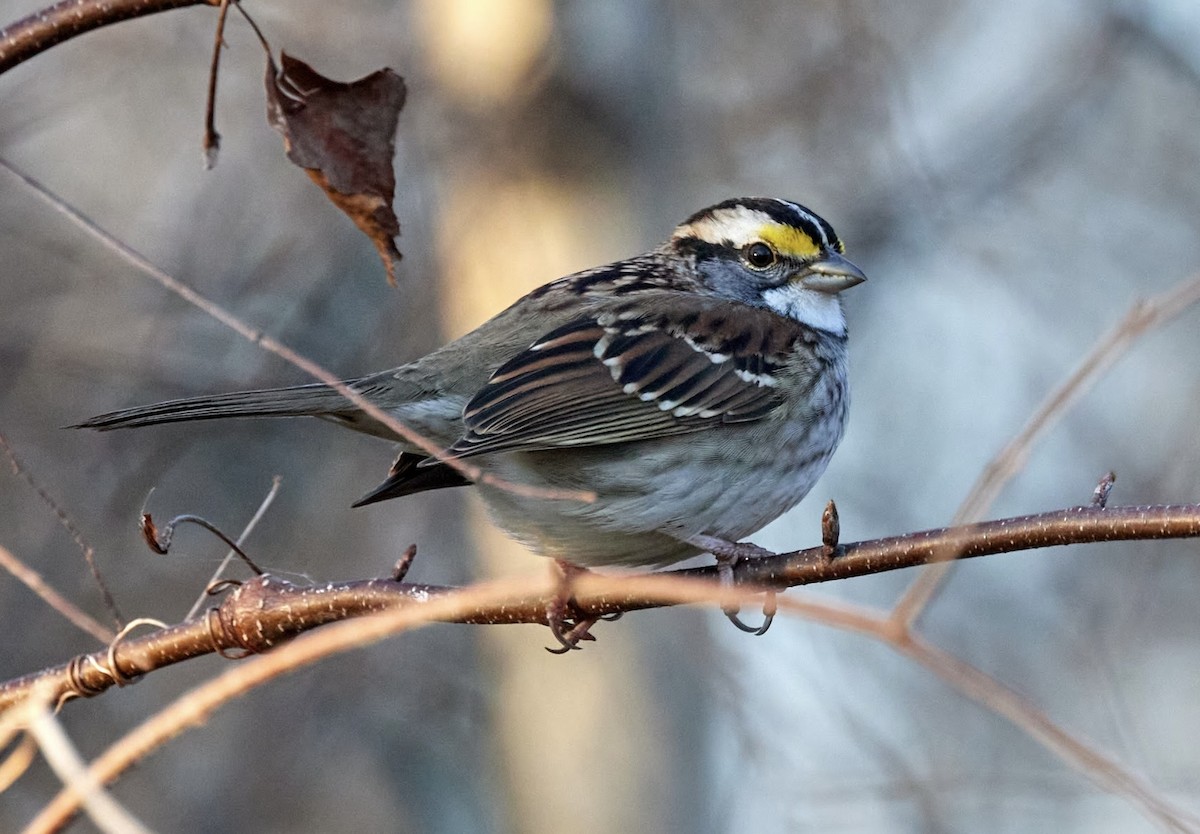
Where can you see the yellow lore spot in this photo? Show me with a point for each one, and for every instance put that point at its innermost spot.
(789, 241)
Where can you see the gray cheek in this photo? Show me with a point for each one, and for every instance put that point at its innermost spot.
(731, 281)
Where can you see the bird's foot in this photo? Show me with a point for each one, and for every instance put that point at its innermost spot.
(728, 554)
(568, 628)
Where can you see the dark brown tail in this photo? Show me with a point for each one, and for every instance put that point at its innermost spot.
(299, 401)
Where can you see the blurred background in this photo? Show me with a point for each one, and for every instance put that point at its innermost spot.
(1011, 176)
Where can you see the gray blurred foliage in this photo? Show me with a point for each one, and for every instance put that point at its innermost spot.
(1011, 176)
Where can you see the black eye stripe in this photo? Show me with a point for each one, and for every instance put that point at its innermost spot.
(702, 250)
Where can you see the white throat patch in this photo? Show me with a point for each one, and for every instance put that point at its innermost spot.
(816, 309)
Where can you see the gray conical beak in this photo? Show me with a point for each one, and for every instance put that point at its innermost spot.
(832, 274)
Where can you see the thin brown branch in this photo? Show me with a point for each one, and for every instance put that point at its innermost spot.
(263, 613)
(262, 39)
(257, 337)
(241, 540)
(160, 542)
(195, 707)
(34, 581)
(1104, 771)
(32, 35)
(211, 143)
(88, 552)
(496, 599)
(1143, 316)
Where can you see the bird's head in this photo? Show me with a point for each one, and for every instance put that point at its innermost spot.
(770, 253)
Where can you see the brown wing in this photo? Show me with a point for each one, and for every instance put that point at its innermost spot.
(615, 378)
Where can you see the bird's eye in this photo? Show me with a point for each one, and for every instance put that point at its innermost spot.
(759, 255)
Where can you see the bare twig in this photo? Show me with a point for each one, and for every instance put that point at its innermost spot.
(677, 588)
(241, 540)
(433, 449)
(1142, 317)
(194, 707)
(1104, 771)
(212, 140)
(160, 542)
(69, 766)
(262, 613)
(89, 553)
(34, 581)
(262, 39)
(17, 761)
(62, 21)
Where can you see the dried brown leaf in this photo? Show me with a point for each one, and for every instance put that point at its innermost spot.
(344, 136)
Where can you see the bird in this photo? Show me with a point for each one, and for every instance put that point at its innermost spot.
(696, 391)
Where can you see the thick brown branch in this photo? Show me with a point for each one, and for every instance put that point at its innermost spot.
(268, 610)
(41, 30)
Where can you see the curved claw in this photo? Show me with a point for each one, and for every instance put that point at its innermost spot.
(573, 637)
(725, 562)
(768, 618)
(556, 619)
(560, 613)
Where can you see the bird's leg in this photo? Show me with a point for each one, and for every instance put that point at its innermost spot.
(567, 630)
(734, 551)
(727, 555)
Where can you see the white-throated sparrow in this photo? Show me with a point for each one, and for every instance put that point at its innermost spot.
(699, 390)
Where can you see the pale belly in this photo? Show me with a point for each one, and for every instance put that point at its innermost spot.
(727, 484)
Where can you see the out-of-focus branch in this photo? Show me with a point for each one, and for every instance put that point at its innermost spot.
(510, 600)
(268, 499)
(975, 684)
(69, 766)
(322, 374)
(70, 611)
(267, 611)
(1143, 316)
(29, 36)
(36, 583)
